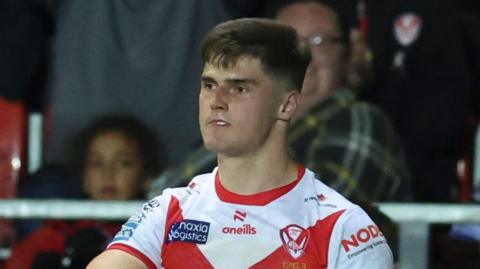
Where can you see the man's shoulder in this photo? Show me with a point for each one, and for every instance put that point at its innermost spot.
(327, 197)
(343, 109)
(202, 180)
(369, 108)
(349, 116)
(346, 100)
(196, 186)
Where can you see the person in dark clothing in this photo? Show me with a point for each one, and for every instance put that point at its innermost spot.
(426, 60)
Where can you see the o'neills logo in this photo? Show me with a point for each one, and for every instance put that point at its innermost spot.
(245, 229)
(192, 231)
(361, 236)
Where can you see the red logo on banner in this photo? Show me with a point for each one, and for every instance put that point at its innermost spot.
(407, 28)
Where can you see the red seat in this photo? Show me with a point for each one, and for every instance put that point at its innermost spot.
(13, 140)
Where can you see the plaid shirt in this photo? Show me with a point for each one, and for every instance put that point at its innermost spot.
(350, 144)
(354, 149)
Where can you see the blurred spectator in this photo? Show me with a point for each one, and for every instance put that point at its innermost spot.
(115, 157)
(426, 65)
(135, 57)
(351, 144)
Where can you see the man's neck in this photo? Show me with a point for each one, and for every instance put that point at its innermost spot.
(266, 169)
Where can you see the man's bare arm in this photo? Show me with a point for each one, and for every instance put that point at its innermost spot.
(116, 259)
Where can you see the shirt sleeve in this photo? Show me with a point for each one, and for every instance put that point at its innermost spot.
(357, 242)
(142, 234)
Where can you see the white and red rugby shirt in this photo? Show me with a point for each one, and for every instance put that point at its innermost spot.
(304, 224)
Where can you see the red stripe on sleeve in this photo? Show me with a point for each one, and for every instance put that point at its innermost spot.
(132, 251)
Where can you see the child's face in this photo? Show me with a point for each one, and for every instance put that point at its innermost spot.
(113, 167)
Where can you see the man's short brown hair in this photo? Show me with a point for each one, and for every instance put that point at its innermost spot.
(276, 45)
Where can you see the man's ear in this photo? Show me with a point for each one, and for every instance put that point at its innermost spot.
(289, 106)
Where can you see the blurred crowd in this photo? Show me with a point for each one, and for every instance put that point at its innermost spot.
(389, 107)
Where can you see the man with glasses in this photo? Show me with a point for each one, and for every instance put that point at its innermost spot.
(351, 144)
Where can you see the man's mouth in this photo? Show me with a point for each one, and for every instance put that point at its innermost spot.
(218, 122)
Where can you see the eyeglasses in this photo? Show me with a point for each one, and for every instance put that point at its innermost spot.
(322, 40)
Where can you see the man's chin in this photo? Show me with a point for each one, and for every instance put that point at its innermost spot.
(222, 150)
(214, 146)
(210, 147)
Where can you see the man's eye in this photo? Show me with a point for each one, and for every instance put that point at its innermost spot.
(208, 86)
(240, 89)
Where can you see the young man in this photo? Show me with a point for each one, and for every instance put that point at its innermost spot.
(258, 208)
(351, 144)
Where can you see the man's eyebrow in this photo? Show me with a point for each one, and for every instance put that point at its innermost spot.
(207, 79)
(241, 81)
(232, 81)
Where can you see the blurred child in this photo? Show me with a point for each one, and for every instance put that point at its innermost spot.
(115, 158)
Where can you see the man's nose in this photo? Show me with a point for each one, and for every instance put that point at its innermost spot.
(220, 99)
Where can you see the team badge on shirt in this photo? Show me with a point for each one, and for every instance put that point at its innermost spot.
(295, 240)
